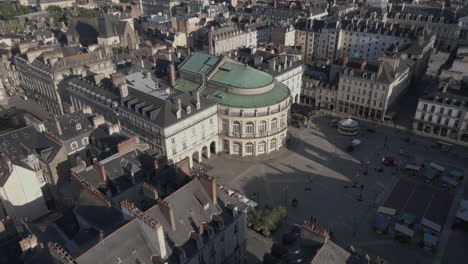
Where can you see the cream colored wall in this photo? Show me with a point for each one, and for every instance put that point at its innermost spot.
(22, 195)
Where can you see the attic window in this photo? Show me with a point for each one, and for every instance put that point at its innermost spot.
(189, 109)
(78, 126)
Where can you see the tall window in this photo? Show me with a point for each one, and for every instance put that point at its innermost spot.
(261, 147)
(262, 126)
(273, 144)
(249, 148)
(74, 145)
(283, 120)
(249, 128)
(225, 125)
(274, 123)
(236, 127)
(236, 147)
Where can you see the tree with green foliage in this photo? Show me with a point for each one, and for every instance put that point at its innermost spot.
(264, 221)
(88, 13)
(8, 12)
(54, 9)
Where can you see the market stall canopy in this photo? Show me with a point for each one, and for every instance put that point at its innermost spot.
(404, 230)
(408, 218)
(431, 225)
(381, 222)
(462, 212)
(430, 239)
(456, 173)
(386, 210)
(430, 173)
(437, 166)
(449, 180)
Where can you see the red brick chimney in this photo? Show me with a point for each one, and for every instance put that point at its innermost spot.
(60, 254)
(209, 184)
(100, 171)
(363, 65)
(127, 145)
(172, 74)
(95, 194)
(345, 60)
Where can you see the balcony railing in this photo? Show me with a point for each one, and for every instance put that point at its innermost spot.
(255, 135)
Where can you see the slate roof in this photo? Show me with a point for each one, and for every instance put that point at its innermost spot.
(68, 125)
(19, 143)
(191, 205)
(106, 28)
(164, 111)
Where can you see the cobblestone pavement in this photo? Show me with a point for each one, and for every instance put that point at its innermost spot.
(316, 159)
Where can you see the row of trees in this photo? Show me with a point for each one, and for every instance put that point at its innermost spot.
(8, 11)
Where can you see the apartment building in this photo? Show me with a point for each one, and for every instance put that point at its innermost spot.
(283, 35)
(151, 7)
(178, 126)
(444, 21)
(200, 223)
(365, 39)
(444, 113)
(368, 89)
(230, 38)
(40, 71)
(31, 165)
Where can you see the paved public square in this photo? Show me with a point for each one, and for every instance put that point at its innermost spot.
(316, 158)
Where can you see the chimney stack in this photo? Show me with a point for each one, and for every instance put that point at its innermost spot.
(197, 100)
(345, 60)
(168, 213)
(127, 145)
(151, 228)
(149, 75)
(100, 171)
(209, 184)
(172, 72)
(179, 108)
(59, 127)
(380, 69)
(60, 253)
(98, 120)
(363, 65)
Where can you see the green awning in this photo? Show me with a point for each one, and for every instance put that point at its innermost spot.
(386, 210)
(408, 218)
(430, 173)
(430, 239)
(437, 166)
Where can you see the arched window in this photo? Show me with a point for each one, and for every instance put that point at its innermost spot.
(249, 148)
(262, 127)
(74, 145)
(249, 128)
(85, 141)
(274, 124)
(236, 147)
(273, 144)
(236, 127)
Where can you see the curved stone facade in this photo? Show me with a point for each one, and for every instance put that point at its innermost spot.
(253, 107)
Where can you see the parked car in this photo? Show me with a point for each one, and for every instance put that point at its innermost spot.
(353, 145)
(388, 161)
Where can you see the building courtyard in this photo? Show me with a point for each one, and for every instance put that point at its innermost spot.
(328, 181)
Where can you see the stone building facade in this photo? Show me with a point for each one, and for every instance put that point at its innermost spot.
(444, 114)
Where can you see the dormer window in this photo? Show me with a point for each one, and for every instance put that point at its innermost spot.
(78, 126)
(189, 109)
